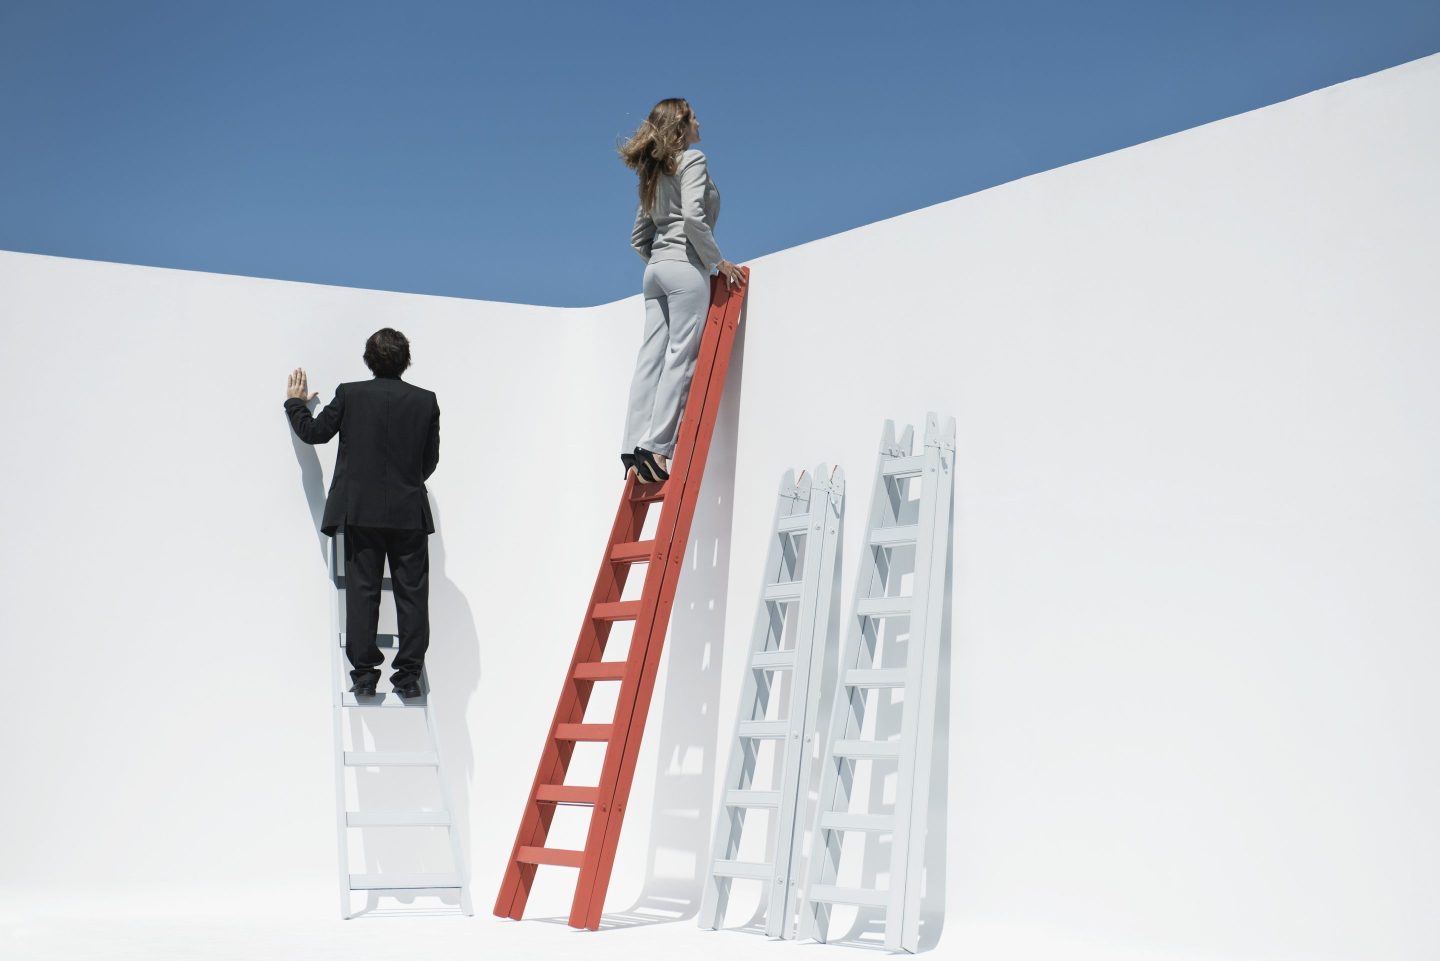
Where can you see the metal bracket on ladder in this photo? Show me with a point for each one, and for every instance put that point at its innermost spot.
(900, 524)
(795, 598)
(428, 756)
(662, 554)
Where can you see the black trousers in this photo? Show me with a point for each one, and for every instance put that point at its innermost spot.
(366, 549)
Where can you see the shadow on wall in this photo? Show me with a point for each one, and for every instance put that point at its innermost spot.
(679, 849)
(453, 664)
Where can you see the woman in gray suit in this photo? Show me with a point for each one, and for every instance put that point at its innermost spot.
(674, 235)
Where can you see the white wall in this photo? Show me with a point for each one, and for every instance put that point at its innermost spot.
(1195, 616)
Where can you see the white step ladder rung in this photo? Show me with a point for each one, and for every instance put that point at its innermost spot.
(752, 799)
(883, 606)
(391, 759)
(387, 641)
(793, 522)
(397, 819)
(405, 882)
(905, 466)
(875, 677)
(773, 660)
(743, 869)
(861, 897)
(387, 699)
(900, 536)
(845, 821)
(784, 591)
(764, 730)
(867, 750)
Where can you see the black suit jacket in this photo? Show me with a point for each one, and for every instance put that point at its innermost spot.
(389, 445)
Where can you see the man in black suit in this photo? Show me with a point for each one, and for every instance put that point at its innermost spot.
(389, 446)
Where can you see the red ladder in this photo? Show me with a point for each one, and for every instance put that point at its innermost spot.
(636, 674)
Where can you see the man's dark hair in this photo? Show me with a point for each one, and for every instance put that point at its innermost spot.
(387, 353)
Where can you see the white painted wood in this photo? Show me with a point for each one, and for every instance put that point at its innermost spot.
(391, 759)
(795, 603)
(405, 882)
(396, 819)
(895, 522)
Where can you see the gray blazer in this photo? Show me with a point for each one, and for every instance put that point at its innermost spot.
(681, 227)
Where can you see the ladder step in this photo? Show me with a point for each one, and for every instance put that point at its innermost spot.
(793, 522)
(787, 591)
(557, 856)
(403, 882)
(387, 641)
(583, 732)
(391, 759)
(752, 799)
(883, 606)
(895, 536)
(567, 794)
(863, 897)
(867, 749)
(772, 660)
(633, 552)
(388, 699)
(647, 493)
(875, 677)
(844, 821)
(617, 611)
(764, 729)
(904, 466)
(396, 819)
(600, 671)
(742, 869)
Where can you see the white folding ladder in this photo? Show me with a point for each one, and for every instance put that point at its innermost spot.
(799, 584)
(906, 536)
(426, 756)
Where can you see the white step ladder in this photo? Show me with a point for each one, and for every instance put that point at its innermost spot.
(800, 582)
(427, 755)
(908, 535)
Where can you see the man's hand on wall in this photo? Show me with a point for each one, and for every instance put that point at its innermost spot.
(298, 386)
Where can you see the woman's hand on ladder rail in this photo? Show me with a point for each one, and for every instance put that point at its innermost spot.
(731, 273)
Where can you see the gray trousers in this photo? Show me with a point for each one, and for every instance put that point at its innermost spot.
(677, 296)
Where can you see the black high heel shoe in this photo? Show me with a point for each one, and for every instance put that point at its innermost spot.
(646, 468)
(629, 461)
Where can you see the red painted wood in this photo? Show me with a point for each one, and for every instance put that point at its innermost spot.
(661, 555)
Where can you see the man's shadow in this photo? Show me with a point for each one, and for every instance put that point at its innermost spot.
(453, 664)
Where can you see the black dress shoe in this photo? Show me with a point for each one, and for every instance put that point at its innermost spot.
(646, 468)
(629, 461)
(365, 690)
(408, 690)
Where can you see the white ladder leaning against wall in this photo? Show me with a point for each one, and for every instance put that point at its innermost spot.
(425, 755)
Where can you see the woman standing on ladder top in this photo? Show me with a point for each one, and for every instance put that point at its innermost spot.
(673, 234)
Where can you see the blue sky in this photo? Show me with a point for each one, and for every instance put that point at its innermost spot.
(468, 149)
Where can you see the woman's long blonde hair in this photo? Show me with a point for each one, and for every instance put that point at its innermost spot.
(655, 148)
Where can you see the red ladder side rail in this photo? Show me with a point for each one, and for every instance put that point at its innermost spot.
(587, 665)
(616, 777)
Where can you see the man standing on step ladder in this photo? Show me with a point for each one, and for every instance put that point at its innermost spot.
(389, 445)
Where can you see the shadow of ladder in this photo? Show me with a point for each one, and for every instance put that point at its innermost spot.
(426, 755)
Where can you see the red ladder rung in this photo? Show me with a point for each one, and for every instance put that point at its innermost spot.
(633, 552)
(600, 671)
(583, 732)
(556, 856)
(617, 611)
(567, 794)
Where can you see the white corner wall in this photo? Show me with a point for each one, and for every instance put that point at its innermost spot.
(1195, 634)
